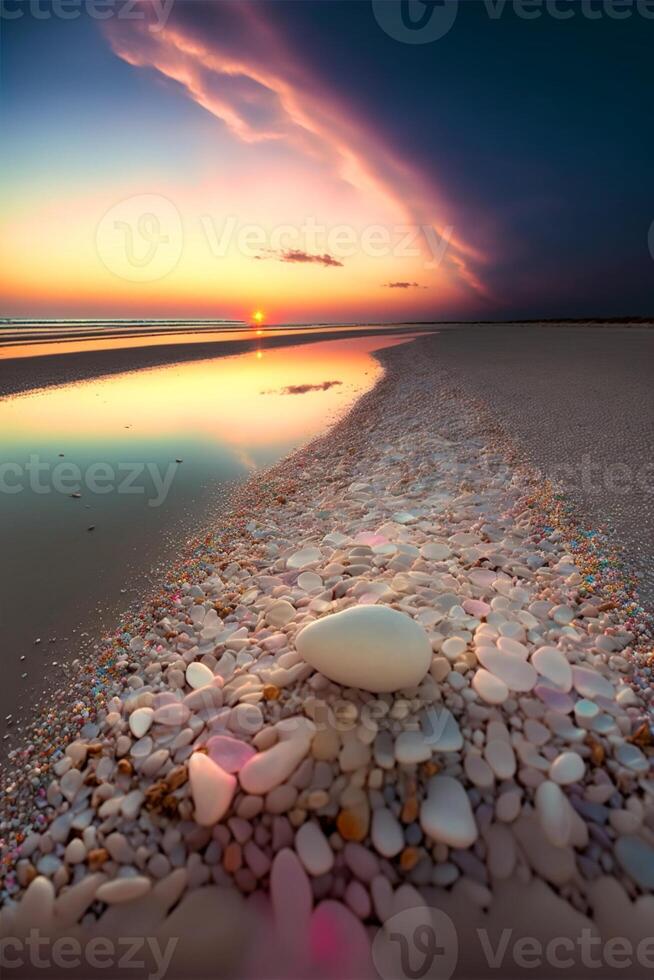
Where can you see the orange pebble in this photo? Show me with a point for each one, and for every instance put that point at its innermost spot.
(410, 810)
(232, 858)
(409, 858)
(271, 692)
(351, 826)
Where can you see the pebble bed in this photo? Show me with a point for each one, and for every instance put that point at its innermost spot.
(206, 768)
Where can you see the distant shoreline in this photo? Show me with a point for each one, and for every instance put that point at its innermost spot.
(20, 375)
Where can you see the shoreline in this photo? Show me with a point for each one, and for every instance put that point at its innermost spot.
(24, 374)
(410, 464)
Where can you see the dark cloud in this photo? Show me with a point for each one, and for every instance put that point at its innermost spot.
(300, 256)
(303, 389)
(404, 285)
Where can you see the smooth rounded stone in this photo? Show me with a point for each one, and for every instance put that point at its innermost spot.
(141, 749)
(636, 857)
(212, 789)
(552, 664)
(313, 849)
(75, 852)
(508, 805)
(411, 748)
(555, 864)
(174, 714)
(585, 711)
(562, 615)
(453, 647)
(490, 688)
(246, 719)
(374, 648)
(123, 890)
(567, 768)
(303, 557)
(386, 833)
(553, 698)
(272, 767)
(361, 861)
(476, 607)
(446, 814)
(631, 756)
(501, 851)
(435, 551)
(477, 770)
(309, 581)
(590, 684)
(198, 675)
(508, 645)
(230, 754)
(70, 784)
(501, 758)
(443, 732)
(517, 674)
(140, 721)
(554, 813)
(280, 613)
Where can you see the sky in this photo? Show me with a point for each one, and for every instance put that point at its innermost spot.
(366, 160)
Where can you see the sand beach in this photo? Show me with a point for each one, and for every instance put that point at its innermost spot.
(231, 780)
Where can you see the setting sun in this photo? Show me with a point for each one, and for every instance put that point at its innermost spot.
(258, 317)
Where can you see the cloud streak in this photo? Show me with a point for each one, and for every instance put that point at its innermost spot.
(232, 60)
(404, 285)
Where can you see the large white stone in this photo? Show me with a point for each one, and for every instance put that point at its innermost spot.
(446, 815)
(370, 647)
(212, 789)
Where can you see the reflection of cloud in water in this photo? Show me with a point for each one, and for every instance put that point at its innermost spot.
(303, 389)
(245, 459)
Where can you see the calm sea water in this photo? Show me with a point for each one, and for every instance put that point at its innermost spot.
(101, 483)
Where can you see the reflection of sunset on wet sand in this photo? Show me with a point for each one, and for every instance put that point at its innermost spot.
(231, 401)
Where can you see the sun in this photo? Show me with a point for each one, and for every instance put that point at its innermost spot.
(258, 316)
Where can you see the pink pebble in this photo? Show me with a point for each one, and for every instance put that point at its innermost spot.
(475, 607)
(229, 753)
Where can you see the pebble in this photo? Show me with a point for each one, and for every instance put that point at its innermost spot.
(270, 768)
(636, 857)
(567, 768)
(517, 674)
(140, 721)
(446, 814)
(386, 833)
(198, 675)
(212, 789)
(552, 664)
(123, 890)
(490, 688)
(374, 648)
(313, 849)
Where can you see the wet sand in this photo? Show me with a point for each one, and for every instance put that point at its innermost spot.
(580, 402)
(44, 371)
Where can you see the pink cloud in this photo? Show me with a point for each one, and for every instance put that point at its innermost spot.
(232, 60)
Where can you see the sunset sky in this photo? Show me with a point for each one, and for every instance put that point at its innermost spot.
(294, 157)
